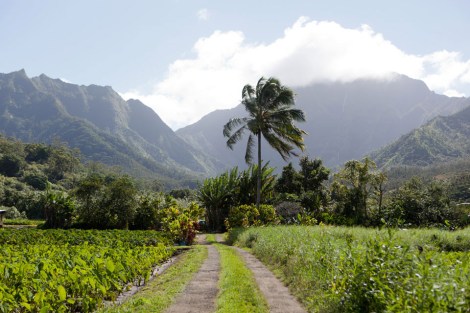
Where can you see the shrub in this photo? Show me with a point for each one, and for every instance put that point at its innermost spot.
(12, 212)
(267, 215)
(248, 215)
(182, 222)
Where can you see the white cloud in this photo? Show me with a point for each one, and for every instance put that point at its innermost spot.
(307, 52)
(453, 93)
(203, 14)
(65, 80)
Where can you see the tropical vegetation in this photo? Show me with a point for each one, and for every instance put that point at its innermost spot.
(272, 117)
(74, 270)
(357, 194)
(340, 269)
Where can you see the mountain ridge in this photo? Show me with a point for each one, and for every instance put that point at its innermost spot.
(99, 122)
(442, 139)
(345, 120)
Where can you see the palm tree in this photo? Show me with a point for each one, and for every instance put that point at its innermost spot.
(271, 116)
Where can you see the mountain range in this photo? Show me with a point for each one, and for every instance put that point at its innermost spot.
(97, 121)
(345, 120)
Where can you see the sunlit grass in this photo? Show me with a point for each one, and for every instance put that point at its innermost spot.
(238, 291)
(341, 269)
(22, 221)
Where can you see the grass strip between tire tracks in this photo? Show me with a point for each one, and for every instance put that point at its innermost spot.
(161, 291)
(238, 291)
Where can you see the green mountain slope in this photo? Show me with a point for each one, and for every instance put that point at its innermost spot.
(442, 139)
(100, 123)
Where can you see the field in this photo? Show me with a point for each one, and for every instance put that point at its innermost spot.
(73, 270)
(339, 269)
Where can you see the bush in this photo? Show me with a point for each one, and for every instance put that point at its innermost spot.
(182, 222)
(267, 215)
(248, 215)
(12, 213)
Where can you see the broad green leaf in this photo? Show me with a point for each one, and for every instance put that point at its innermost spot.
(110, 265)
(62, 293)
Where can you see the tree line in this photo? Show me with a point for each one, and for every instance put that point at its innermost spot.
(355, 195)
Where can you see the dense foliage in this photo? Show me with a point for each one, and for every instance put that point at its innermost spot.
(27, 170)
(454, 175)
(357, 194)
(337, 269)
(219, 194)
(74, 270)
(249, 215)
(50, 183)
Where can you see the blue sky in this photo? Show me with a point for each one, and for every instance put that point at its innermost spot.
(187, 58)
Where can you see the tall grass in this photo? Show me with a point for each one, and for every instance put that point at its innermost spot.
(339, 269)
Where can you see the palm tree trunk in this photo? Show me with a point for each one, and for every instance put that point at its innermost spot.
(258, 189)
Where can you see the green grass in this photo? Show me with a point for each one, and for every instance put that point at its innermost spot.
(340, 269)
(161, 291)
(238, 291)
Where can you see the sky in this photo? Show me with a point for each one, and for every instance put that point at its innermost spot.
(186, 58)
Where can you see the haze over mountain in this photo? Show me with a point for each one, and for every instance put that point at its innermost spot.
(344, 120)
(99, 122)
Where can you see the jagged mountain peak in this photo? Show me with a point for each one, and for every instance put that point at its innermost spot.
(98, 121)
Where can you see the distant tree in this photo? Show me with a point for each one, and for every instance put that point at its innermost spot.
(313, 173)
(271, 117)
(313, 177)
(106, 201)
(289, 181)
(182, 193)
(353, 188)
(121, 201)
(37, 152)
(36, 180)
(61, 161)
(419, 204)
(90, 193)
(10, 165)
